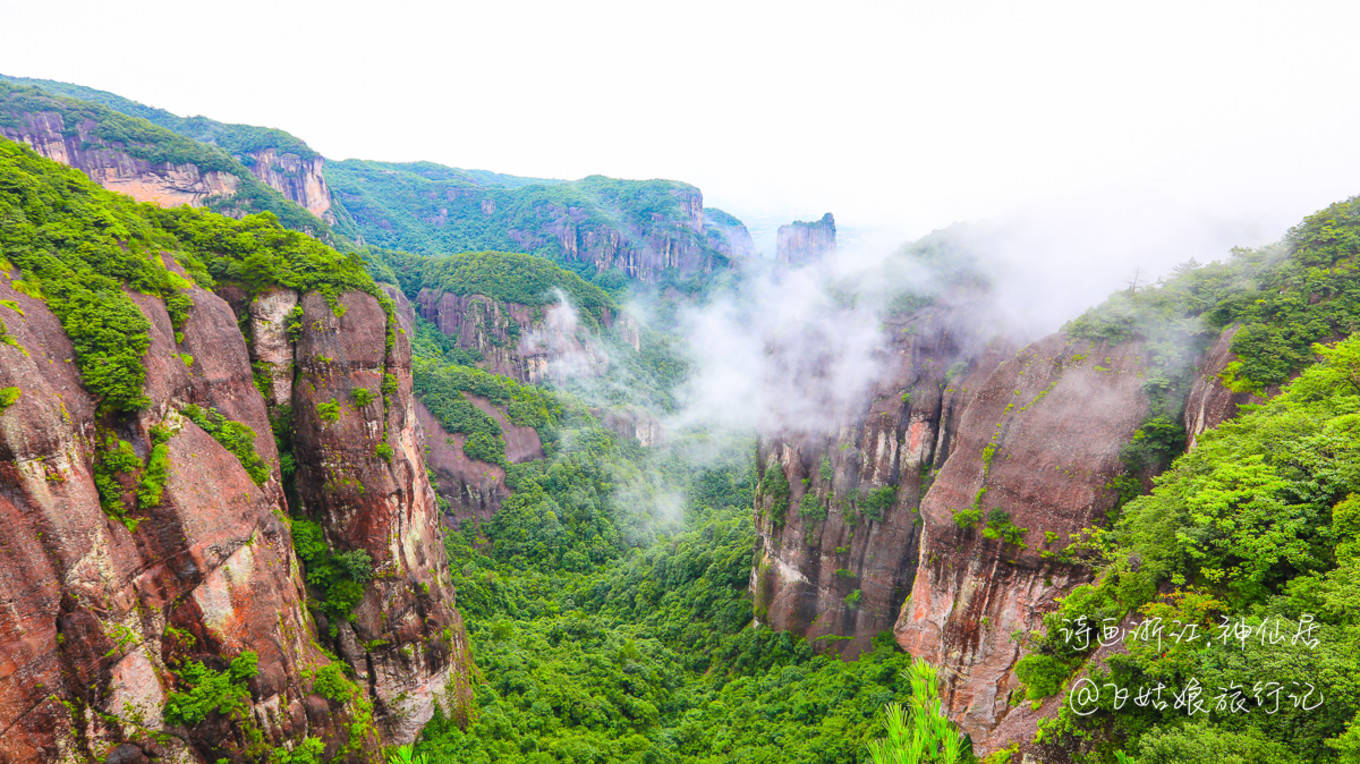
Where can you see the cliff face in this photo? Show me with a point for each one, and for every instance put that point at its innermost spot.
(517, 341)
(1037, 446)
(653, 231)
(361, 474)
(641, 248)
(837, 555)
(952, 491)
(727, 235)
(1210, 403)
(299, 179)
(163, 183)
(473, 489)
(100, 613)
(803, 242)
(88, 629)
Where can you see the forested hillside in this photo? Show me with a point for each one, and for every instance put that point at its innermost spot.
(649, 230)
(604, 229)
(97, 134)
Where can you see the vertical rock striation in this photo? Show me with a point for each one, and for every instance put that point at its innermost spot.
(298, 178)
(837, 548)
(97, 610)
(361, 474)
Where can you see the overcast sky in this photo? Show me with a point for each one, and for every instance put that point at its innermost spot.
(898, 116)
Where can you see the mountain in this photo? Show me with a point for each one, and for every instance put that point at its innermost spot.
(953, 504)
(136, 157)
(278, 159)
(802, 242)
(266, 499)
(220, 536)
(651, 231)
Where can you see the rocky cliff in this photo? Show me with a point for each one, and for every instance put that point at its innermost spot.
(1037, 449)
(164, 183)
(1210, 402)
(954, 491)
(115, 146)
(655, 231)
(361, 473)
(837, 518)
(641, 247)
(155, 604)
(523, 342)
(472, 489)
(803, 242)
(298, 178)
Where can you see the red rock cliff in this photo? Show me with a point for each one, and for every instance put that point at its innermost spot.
(1037, 446)
(98, 612)
(362, 475)
(836, 564)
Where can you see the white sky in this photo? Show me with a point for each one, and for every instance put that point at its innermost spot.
(900, 116)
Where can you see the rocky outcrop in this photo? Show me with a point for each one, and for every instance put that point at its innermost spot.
(728, 235)
(1210, 402)
(837, 549)
(1036, 449)
(952, 490)
(803, 242)
(101, 609)
(526, 343)
(298, 178)
(361, 473)
(74, 145)
(97, 611)
(643, 249)
(474, 490)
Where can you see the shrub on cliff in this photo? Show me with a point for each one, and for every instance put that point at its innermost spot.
(208, 691)
(338, 577)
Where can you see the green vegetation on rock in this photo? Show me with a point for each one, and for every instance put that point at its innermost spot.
(236, 437)
(98, 125)
(503, 276)
(1259, 523)
(208, 691)
(86, 251)
(338, 577)
(430, 209)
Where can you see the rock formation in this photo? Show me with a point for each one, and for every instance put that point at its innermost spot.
(1037, 447)
(643, 249)
(837, 547)
(803, 242)
(952, 491)
(101, 612)
(298, 178)
(362, 476)
(526, 343)
(162, 183)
